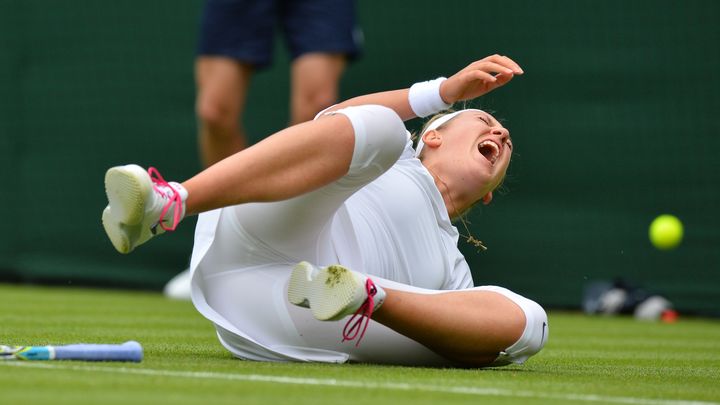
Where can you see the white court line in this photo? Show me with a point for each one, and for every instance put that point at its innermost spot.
(331, 382)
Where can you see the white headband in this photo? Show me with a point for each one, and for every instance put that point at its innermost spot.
(435, 125)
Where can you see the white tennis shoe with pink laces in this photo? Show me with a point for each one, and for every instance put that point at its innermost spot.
(141, 205)
(334, 292)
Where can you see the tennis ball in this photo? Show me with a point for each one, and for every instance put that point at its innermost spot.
(666, 232)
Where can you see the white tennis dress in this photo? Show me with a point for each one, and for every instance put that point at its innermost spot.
(385, 218)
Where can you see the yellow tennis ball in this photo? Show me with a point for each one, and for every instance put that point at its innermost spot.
(666, 232)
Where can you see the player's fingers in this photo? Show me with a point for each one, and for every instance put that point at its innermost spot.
(507, 62)
(502, 79)
(500, 60)
(494, 67)
(481, 75)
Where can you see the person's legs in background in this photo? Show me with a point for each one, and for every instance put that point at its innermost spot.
(321, 36)
(235, 39)
(315, 79)
(222, 85)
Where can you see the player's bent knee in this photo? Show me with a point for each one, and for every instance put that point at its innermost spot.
(533, 338)
(535, 333)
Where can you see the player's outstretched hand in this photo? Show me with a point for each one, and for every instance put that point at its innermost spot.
(479, 78)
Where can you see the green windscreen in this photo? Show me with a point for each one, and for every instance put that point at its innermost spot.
(614, 123)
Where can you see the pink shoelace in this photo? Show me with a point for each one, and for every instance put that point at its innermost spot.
(358, 323)
(173, 197)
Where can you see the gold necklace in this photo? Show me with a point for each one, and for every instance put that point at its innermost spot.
(469, 238)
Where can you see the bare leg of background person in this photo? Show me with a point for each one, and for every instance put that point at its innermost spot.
(222, 85)
(315, 79)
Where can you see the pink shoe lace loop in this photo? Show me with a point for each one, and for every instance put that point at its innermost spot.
(358, 323)
(174, 199)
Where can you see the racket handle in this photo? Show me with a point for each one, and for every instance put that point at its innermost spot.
(128, 351)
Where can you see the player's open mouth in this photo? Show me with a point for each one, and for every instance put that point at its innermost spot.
(490, 150)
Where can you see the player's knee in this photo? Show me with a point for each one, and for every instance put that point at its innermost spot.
(534, 335)
(380, 135)
(539, 322)
(526, 330)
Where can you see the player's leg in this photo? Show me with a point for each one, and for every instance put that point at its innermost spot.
(476, 327)
(222, 85)
(482, 326)
(296, 227)
(293, 161)
(255, 320)
(469, 327)
(315, 79)
(290, 163)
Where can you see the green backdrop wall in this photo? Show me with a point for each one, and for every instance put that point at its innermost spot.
(614, 122)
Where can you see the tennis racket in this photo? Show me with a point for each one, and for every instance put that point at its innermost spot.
(128, 351)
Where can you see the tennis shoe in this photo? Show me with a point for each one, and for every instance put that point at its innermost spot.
(335, 292)
(141, 205)
(332, 292)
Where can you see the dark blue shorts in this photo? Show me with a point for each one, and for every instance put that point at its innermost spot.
(245, 29)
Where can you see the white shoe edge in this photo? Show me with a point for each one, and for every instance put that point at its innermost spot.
(113, 229)
(128, 189)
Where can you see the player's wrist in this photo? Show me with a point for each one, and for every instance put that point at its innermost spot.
(425, 98)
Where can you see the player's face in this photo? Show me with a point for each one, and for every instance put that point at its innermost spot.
(480, 149)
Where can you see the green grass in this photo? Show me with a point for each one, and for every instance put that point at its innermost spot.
(587, 360)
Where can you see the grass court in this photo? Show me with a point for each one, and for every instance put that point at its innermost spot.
(588, 360)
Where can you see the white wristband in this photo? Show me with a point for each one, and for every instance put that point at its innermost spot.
(424, 98)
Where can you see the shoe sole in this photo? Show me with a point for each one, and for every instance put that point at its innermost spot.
(127, 188)
(328, 292)
(113, 229)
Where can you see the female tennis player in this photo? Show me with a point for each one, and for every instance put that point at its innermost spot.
(342, 216)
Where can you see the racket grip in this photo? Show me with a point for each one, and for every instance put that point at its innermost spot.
(128, 351)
